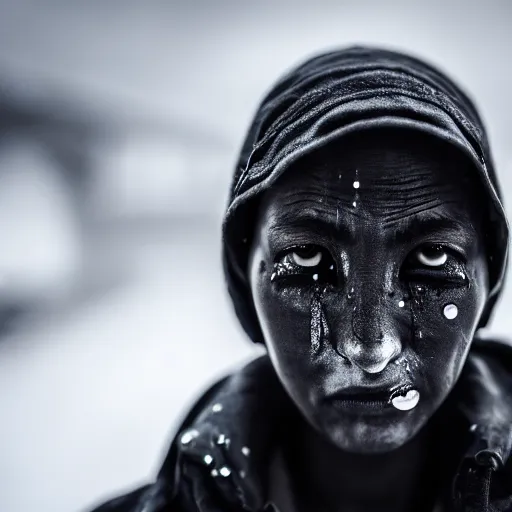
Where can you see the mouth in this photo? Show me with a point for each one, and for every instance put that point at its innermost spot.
(370, 400)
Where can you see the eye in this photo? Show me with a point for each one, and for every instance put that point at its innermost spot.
(307, 256)
(305, 264)
(436, 265)
(432, 255)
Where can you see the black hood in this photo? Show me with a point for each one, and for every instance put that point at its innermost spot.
(343, 92)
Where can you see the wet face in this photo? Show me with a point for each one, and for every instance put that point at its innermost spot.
(368, 273)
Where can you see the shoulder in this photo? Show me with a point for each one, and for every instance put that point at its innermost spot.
(149, 498)
(156, 495)
(124, 503)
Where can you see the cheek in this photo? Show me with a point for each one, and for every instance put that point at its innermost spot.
(444, 323)
(284, 315)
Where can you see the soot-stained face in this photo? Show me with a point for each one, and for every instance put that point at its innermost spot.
(368, 273)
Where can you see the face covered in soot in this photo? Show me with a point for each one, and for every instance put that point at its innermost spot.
(368, 273)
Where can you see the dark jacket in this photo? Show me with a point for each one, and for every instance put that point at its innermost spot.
(219, 461)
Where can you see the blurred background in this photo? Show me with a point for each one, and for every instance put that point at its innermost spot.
(119, 127)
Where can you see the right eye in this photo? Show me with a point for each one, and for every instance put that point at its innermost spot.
(307, 256)
(305, 264)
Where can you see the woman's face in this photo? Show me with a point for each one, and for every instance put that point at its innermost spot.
(368, 274)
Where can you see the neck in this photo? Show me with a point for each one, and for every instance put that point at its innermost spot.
(355, 481)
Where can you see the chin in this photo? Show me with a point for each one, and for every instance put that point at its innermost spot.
(369, 437)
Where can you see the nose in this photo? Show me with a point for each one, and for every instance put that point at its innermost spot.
(373, 339)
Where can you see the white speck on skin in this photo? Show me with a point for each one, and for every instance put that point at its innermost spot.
(315, 277)
(356, 184)
(273, 276)
(354, 204)
(450, 311)
(217, 407)
(407, 402)
(401, 304)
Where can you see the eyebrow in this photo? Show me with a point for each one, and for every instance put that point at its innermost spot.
(434, 223)
(312, 220)
(416, 225)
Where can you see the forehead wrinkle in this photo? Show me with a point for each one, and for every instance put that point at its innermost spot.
(309, 217)
(430, 222)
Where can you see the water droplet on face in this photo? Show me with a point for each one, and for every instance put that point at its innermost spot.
(356, 184)
(407, 402)
(188, 436)
(315, 277)
(208, 459)
(401, 304)
(225, 471)
(217, 407)
(319, 329)
(450, 311)
(246, 451)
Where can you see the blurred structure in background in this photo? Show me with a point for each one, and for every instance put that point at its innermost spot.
(43, 171)
(119, 125)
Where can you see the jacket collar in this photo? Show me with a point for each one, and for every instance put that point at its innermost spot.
(224, 450)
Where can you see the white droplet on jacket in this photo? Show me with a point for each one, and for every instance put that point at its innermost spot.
(188, 436)
(208, 459)
(246, 451)
(225, 471)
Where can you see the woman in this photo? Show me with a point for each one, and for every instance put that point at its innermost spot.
(365, 244)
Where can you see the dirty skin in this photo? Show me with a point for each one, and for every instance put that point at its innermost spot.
(373, 286)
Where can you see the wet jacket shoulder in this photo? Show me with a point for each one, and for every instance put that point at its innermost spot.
(220, 458)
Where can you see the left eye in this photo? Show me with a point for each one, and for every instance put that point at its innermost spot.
(435, 263)
(432, 256)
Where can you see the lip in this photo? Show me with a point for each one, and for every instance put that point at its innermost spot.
(366, 399)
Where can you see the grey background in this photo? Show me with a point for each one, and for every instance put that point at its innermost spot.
(111, 248)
